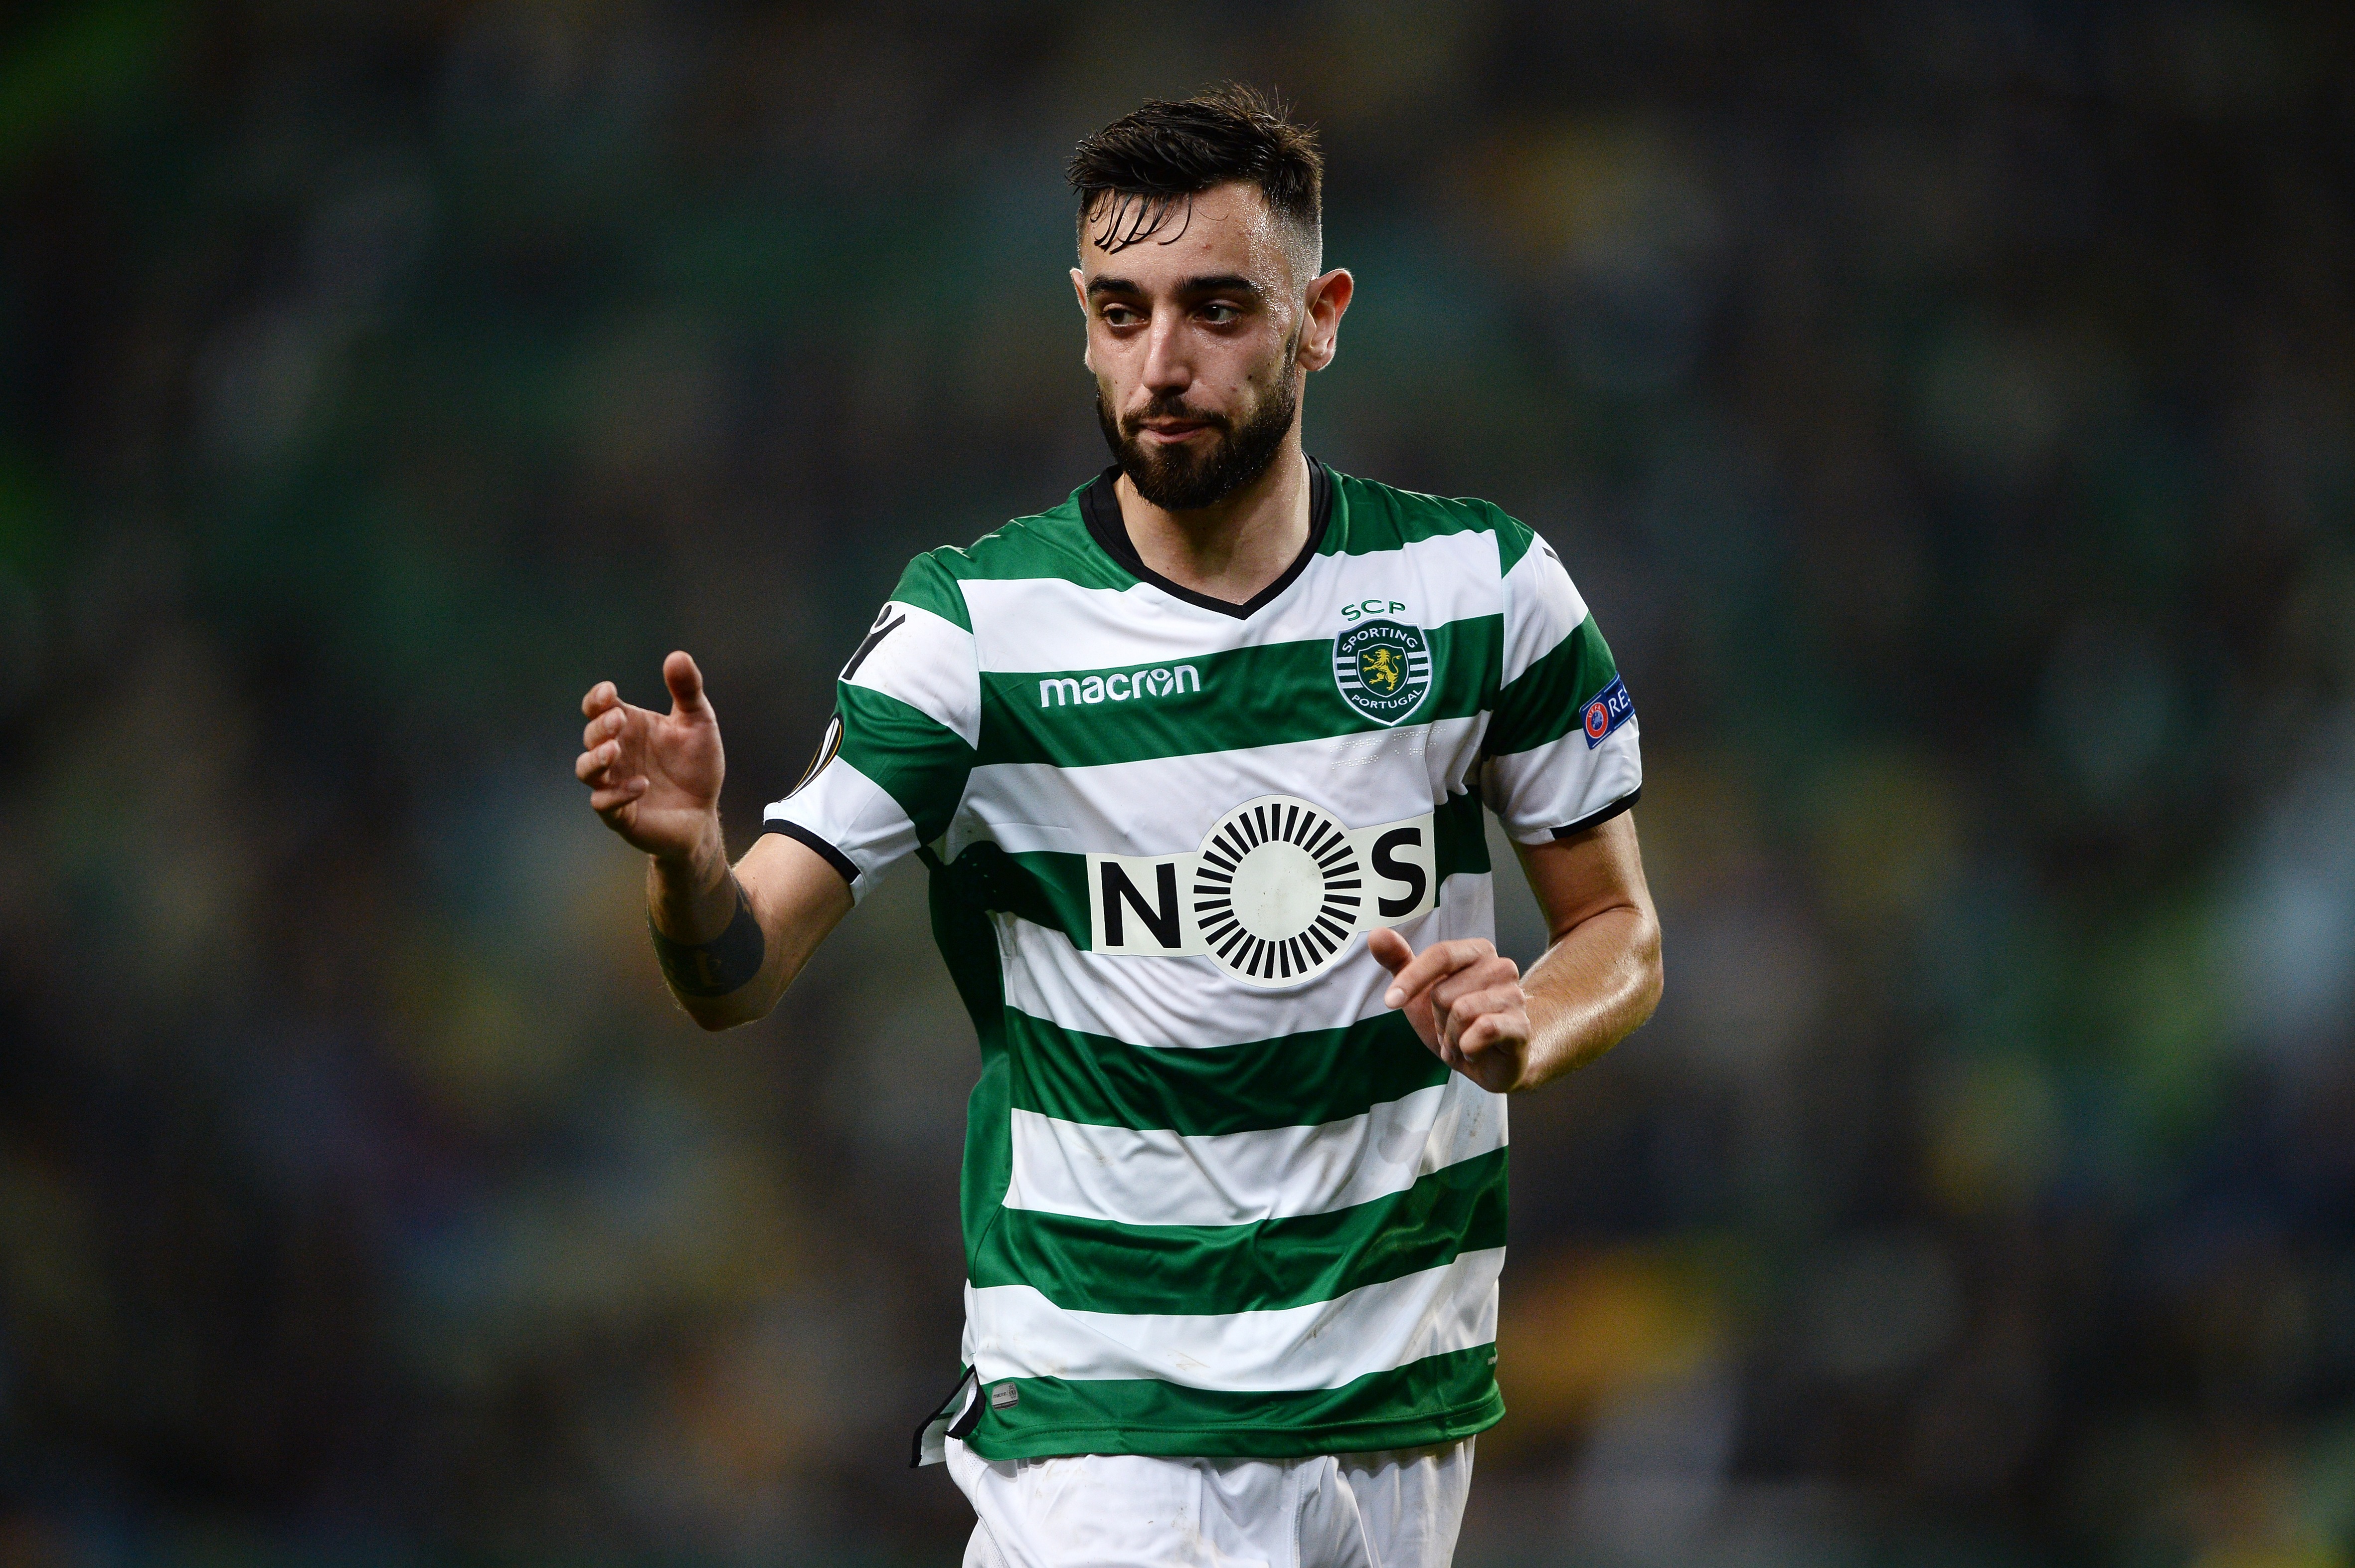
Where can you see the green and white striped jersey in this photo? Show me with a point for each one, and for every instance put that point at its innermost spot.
(1218, 1200)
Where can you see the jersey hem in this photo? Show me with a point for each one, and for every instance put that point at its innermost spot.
(1198, 1442)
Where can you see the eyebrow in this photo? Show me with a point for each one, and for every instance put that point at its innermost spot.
(1216, 283)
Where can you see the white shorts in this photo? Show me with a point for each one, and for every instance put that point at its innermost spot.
(1397, 1510)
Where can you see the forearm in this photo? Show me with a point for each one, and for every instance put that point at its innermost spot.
(1598, 980)
(713, 950)
(740, 936)
(692, 897)
(1596, 984)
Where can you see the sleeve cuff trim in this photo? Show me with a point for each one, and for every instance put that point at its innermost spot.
(832, 855)
(1596, 819)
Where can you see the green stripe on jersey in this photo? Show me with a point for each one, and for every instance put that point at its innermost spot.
(1293, 1081)
(1514, 539)
(920, 762)
(1262, 696)
(1546, 702)
(1366, 519)
(931, 584)
(1051, 544)
(1437, 1400)
(968, 945)
(1098, 1265)
(1459, 839)
(1369, 517)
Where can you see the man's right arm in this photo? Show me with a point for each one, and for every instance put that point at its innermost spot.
(762, 919)
(729, 941)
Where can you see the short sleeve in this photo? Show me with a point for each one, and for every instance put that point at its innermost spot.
(1561, 751)
(892, 766)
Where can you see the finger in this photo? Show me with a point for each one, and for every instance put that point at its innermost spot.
(1491, 1029)
(686, 683)
(1390, 950)
(1442, 959)
(1477, 976)
(600, 696)
(607, 801)
(1457, 1001)
(606, 726)
(1459, 1016)
(597, 761)
(1484, 975)
(1435, 961)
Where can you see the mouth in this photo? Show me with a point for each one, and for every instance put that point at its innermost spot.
(1170, 433)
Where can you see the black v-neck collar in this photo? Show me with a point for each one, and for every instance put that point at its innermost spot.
(1100, 505)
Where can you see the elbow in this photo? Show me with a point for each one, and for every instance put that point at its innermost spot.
(718, 1014)
(1649, 978)
(748, 1004)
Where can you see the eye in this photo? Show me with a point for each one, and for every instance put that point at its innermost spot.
(1220, 314)
(1120, 315)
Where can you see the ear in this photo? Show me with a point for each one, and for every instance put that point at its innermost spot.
(1328, 297)
(1079, 289)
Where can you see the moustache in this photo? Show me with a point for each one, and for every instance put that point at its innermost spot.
(1172, 408)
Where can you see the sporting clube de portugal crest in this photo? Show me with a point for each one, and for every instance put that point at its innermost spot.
(1383, 669)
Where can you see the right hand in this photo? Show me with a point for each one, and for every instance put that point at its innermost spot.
(654, 777)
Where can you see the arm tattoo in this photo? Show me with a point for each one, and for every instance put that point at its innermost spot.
(726, 964)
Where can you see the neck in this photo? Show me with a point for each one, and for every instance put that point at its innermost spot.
(1236, 548)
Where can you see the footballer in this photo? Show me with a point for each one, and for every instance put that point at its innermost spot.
(1196, 762)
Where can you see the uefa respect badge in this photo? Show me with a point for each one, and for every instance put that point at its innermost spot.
(1611, 707)
(1383, 669)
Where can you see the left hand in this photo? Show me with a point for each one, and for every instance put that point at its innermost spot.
(1465, 1000)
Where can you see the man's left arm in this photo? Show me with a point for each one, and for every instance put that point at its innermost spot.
(1599, 979)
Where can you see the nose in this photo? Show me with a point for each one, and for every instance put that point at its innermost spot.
(1167, 372)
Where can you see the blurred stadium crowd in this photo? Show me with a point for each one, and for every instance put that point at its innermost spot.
(1949, 409)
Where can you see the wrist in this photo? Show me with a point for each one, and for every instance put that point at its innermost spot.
(720, 967)
(691, 894)
(702, 865)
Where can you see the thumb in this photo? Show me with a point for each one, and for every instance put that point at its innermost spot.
(1389, 949)
(686, 683)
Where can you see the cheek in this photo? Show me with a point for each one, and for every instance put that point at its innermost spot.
(1278, 364)
(1104, 358)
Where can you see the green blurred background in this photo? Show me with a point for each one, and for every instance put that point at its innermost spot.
(1949, 408)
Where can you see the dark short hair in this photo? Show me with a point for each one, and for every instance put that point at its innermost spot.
(1133, 175)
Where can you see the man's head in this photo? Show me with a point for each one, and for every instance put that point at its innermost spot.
(1200, 230)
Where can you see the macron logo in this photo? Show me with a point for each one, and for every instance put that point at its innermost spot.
(1058, 691)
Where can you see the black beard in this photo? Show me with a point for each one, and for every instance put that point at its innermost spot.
(1177, 480)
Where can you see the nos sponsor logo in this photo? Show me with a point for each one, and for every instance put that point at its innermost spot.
(1120, 686)
(1274, 896)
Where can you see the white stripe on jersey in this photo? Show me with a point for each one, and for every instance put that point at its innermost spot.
(1164, 1178)
(1542, 607)
(1048, 623)
(1014, 1331)
(1164, 806)
(926, 661)
(1558, 784)
(854, 813)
